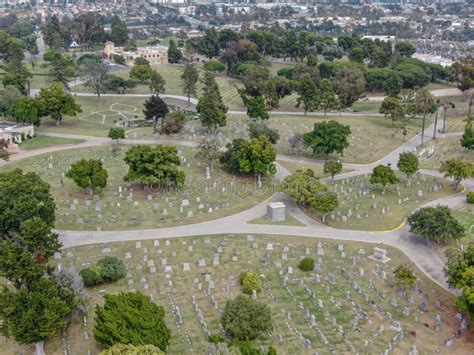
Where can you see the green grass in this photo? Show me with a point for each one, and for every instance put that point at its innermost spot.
(289, 221)
(466, 217)
(363, 215)
(444, 149)
(191, 339)
(44, 141)
(117, 211)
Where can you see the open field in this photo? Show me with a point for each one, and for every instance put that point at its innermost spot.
(363, 207)
(122, 206)
(444, 149)
(43, 141)
(355, 311)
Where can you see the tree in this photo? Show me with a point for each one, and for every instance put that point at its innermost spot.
(208, 44)
(404, 277)
(261, 129)
(214, 65)
(109, 269)
(256, 108)
(88, 174)
(349, 86)
(152, 165)
(332, 167)
(250, 281)
(383, 175)
(212, 111)
(95, 76)
(141, 72)
(129, 349)
(172, 123)
(208, 151)
(405, 48)
(464, 73)
(35, 314)
(425, 103)
(61, 69)
(328, 99)
(309, 192)
(131, 318)
(467, 139)
(26, 110)
(52, 34)
(189, 79)
(118, 84)
(245, 319)
(174, 54)
(457, 170)
(392, 109)
(459, 270)
(408, 164)
(309, 95)
(24, 196)
(155, 109)
(255, 156)
(435, 223)
(119, 31)
(157, 83)
(56, 103)
(327, 137)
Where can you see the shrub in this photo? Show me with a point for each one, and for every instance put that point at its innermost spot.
(214, 65)
(306, 264)
(131, 318)
(173, 123)
(110, 268)
(215, 339)
(261, 129)
(90, 277)
(129, 349)
(470, 197)
(245, 319)
(250, 281)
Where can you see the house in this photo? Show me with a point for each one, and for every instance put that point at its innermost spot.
(15, 133)
(156, 55)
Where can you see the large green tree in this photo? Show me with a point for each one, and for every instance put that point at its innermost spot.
(52, 33)
(131, 318)
(436, 224)
(155, 109)
(189, 79)
(327, 137)
(408, 164)
(245, 319)
(467, 139)
(457, 169)
(383, 175)
(26, 110)
(309, 94)
(95, 76)
(56, 103)
(349, 86)
(88, 174)
(119, 31)
(157, 83)
(154, 165)
(174, 53)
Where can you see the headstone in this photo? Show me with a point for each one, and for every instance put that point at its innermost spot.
(380, 255)
(276, 211)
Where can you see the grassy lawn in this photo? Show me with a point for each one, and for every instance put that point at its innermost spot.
(317, 168)
(122, 206)
(466, 217)
(373, 211)
(178, 288)
(290, 221)
(44, 141)
(444, 149)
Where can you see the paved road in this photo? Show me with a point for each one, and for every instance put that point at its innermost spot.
(416, 249)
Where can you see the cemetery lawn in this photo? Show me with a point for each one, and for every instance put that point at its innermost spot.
(444, 149)
(112, 210)
(317, 168)
(356, 211)
(44, 141)
(177, 288)
(290, 221)
(466, 217)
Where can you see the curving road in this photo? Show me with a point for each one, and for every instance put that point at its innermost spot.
(415, 248)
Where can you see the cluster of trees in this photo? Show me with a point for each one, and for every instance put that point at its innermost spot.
(106, 269)
(38, 301)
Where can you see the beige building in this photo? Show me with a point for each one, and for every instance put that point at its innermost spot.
(15, 133)
(155, 55)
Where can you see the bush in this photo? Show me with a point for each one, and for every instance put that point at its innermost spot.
(129, 349)
(110, 268)
(173, 123)
(216, 339)
(131, 318)
(470, 197)
(261, 129)
(306, 264)
(245, 319)
(90, 277)
(214, 65)
(49, 56)
(250, 281)
(106, 269)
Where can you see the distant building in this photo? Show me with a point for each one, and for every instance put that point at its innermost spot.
(15, 133)
(155, 55)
